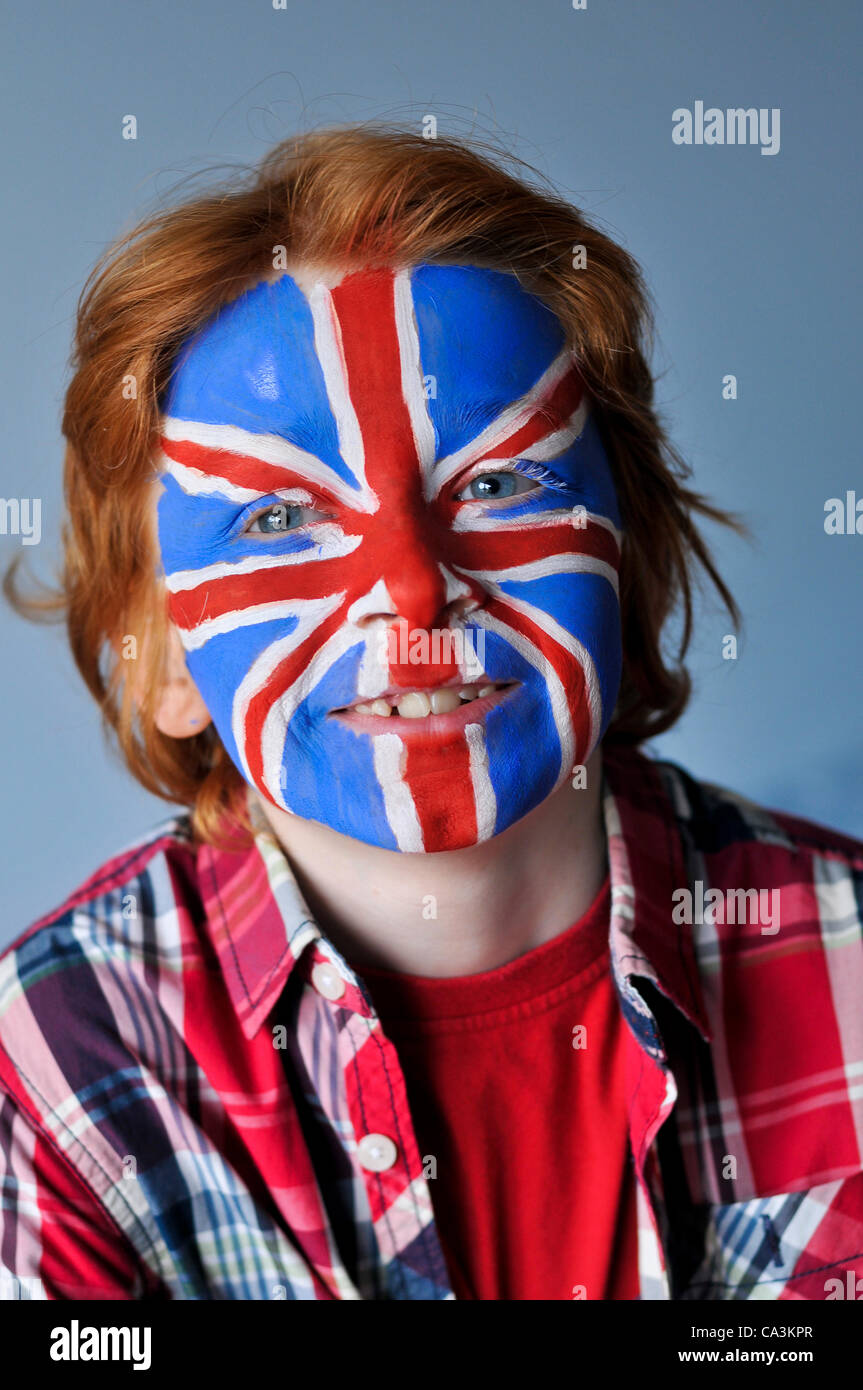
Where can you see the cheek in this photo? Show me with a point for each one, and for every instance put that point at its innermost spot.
(581, 615)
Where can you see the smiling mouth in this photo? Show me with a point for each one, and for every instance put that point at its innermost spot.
(424, 704)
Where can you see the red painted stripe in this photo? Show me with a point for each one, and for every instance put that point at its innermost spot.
(551, 414)
(501, 549)
(215, 597)
(399, 536)
(240, 469)
(567, 667)
(439, 782)
(278, 684)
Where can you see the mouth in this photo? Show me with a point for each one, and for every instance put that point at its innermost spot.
(439, 710)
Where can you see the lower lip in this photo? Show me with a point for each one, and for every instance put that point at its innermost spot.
(471, 712)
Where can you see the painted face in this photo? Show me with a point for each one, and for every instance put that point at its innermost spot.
(391, 543)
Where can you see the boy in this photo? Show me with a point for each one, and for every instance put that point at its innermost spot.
(440, 988)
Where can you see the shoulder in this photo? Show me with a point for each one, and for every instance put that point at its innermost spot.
(813, 872)
(769, 908)
(64, 980)
(770, 904)
(726, 828)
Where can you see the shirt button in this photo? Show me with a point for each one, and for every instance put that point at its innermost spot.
(376, 1152)
(327, 981)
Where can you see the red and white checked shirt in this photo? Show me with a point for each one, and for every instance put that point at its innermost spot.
(197, 1100)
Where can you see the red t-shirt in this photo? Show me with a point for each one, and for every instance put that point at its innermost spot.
(515, 1079)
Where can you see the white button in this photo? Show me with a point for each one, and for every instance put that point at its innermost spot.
(377, 1152)
(327, 981)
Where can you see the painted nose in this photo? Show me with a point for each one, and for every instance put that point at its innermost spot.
(415, 587)
(415, 581)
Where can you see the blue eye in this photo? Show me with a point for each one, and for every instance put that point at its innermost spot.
(282, 517)
(490, 487)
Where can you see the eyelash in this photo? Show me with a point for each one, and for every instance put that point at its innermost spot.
(538, 471)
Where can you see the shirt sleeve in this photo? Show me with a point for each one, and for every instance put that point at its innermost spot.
(57, 1241)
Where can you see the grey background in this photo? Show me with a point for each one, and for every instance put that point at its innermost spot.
(753, 262)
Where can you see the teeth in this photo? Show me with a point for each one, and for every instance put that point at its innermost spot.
(442, 701)
(416, 705)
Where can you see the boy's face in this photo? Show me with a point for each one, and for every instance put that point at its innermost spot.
(390, 537)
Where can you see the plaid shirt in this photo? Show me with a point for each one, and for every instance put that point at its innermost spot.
(197, 1100)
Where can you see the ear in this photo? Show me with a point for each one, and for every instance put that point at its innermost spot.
(180, 711)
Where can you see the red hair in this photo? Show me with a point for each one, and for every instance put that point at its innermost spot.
(347, 196)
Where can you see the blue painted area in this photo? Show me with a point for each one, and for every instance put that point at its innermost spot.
(580, 476)
(521, 737)
(198, 531)
(253, 365)
(484, 339)
(586, 469)
(329, 770)
(586, 606)
(219, 667)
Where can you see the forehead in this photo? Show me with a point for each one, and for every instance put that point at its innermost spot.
(260, 363)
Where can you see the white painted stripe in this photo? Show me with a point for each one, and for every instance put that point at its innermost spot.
(264, 448)
(399, 804)
(331, 543)
(455, 587)
(540, 569)
(310, 613)
(547, 448)
(197, 484)
(373, 675)
(376, 604)
(483, 791)
(512, 418)
(559, 440)
(413, 391)
(556, 693)
(328, 345)
(375, 601)
(275, 729)
(466, 519)
(195, 638)
(574, 647)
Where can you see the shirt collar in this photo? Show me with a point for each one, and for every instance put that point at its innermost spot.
(261, 926)
(647, 864)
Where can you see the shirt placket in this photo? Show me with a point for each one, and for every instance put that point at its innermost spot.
(371, 1113)
(653, 1095)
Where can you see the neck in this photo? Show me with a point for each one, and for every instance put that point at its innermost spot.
(458, 912)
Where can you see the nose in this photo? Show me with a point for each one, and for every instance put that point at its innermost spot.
(416, 587)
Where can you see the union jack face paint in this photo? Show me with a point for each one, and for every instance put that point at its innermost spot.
(399, 452)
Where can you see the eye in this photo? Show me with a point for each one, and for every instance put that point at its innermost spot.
(281, 517)
(492, 487)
